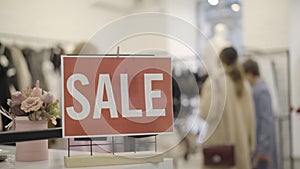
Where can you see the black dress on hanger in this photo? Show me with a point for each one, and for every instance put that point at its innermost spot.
(55, 57)
(7, 79)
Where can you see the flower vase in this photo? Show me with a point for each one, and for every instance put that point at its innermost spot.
(31, 150)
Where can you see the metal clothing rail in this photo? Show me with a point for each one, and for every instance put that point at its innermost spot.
(15, 36)
(257, 51)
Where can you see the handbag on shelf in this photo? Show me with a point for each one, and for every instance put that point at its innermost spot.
(219, 155)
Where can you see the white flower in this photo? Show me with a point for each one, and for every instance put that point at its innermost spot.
(31, 104)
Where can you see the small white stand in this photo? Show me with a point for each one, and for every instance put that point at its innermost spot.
(112, 159)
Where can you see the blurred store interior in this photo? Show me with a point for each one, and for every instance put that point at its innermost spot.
(185, 30)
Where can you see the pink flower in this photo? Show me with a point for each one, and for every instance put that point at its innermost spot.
(37, 91)
(31, 104)
(18, 96)
(47, 97)
(34, 103)
(16, 99)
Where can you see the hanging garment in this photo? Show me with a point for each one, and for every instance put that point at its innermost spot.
(51, 74)
(1, 125)
(24, 77)
(35, 63)
(55, 57)
(8, 75)
(7, 79)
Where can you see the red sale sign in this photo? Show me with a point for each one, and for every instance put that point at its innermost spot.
(116, 96)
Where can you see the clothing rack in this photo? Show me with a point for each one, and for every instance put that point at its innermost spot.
(256, 51)
(28, 40)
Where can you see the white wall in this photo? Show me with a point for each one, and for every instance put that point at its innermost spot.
(185, 10)
(72, 20)
(186, 33)
(78, 20)
(139, 42)
(295, 69)
(266, 23)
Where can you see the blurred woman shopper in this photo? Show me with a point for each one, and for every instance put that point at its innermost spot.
(266, 154)
(237, 124)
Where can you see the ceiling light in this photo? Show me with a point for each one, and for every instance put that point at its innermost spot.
(235, 7)
(213, 2)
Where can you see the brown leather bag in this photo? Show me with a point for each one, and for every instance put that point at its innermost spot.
(219, 155)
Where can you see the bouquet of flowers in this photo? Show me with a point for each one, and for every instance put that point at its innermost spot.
(34, 103)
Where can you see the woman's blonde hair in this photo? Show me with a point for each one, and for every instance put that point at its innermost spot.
(229, 57)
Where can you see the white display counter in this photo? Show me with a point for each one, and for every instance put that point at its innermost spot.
(56, 161)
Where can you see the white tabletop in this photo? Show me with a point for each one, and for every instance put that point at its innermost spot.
(56, 161)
